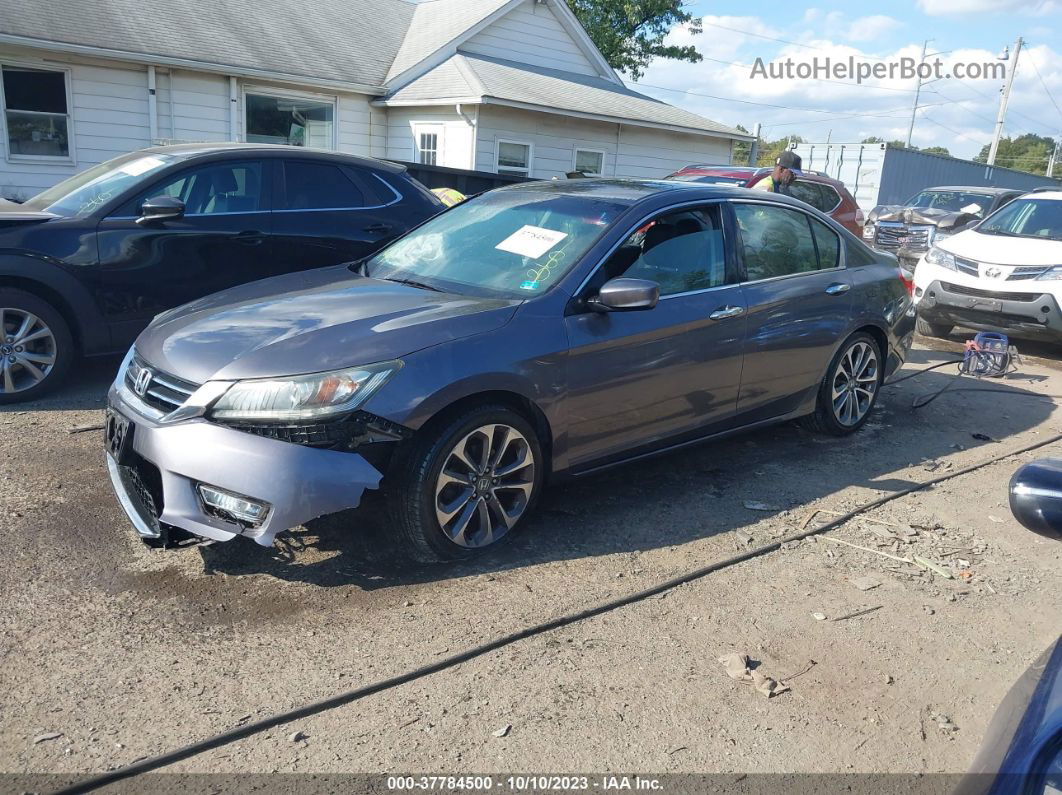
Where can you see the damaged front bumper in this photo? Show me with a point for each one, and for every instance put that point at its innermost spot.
(157, 469)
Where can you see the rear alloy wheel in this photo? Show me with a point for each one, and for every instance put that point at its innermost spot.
(850, 388)
(463, 489)
(927, 329)
(35, 346)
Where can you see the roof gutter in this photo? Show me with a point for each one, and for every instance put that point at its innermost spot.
(409, 103)
(189, 63)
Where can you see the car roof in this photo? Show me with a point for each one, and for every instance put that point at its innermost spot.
(747, 172)
(983, 189)
(192, 151)
(1055, 194)
(636, 191)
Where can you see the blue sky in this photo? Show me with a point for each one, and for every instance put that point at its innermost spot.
(957, 114)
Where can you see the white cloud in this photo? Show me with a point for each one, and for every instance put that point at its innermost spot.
(872, 27)
(958, 114)
(959, 7)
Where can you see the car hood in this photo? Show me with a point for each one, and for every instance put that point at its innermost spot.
(15, 214)
(1000, 250)
(309, 322)
(942, 219)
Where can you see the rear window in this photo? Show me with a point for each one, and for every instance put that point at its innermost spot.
(706, 179)
(319, 186)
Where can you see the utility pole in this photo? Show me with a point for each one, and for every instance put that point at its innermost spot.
(1003, 104)
(918, 90)
(1054, 158)
(754, 149)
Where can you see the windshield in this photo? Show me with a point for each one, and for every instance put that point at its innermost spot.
(511, 243)
(705, 179)
(953, 201)
(82, 193)
(1040, 218)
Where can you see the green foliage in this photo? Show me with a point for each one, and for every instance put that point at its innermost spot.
(1027, 152)
(631, 33)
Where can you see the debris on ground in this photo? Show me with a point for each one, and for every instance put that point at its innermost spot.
(864, 583)
(85, 428)
(936, 568)
(737, 667)
(819, 616)
(753, 505)
(503, 731)
(41, 738)
(943, 722)
(294, 737)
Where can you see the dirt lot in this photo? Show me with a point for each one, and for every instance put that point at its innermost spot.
(125, 652)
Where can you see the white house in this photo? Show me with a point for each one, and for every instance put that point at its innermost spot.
(508, 86)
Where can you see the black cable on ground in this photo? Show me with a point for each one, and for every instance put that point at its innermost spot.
(242, 732)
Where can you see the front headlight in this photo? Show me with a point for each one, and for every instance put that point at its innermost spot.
(1051, 274)
(938, 256)
(303, 397)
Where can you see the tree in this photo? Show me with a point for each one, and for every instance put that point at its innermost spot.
(1027, 152)
(936, 150)
(630, 33)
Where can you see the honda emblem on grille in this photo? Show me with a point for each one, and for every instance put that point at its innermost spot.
(993, 273)
(143, 381)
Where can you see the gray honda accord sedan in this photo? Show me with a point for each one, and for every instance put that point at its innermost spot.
(544, 329)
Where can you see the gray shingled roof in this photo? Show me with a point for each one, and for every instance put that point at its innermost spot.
(469, 77)
(350, 41)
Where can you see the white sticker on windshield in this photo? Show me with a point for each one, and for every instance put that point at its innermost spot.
(531, 241)
(141, 166)
(971, 208)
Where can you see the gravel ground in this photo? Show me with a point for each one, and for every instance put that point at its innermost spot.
(122, 652)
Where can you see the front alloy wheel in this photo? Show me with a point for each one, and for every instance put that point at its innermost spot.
(36, 349)
(484, 486)
(464, 482)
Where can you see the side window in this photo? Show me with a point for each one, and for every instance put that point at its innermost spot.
(807, 192)
(208, 190)
(680, 251)
(775, 241)
(319, 186)
(856, 254)
(830, 197)
(828, 244)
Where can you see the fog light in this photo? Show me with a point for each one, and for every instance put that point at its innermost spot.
(235, 505)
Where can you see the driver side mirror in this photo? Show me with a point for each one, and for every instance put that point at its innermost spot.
(160, 208)
(625, 295)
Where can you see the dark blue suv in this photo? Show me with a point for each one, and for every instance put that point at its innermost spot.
(86, 265)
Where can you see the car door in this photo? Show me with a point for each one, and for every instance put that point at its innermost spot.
(221, 240)
(328, 213)
(798, 301)
(637, 379)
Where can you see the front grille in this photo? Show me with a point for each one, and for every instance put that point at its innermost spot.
(998, 296)
(890, 236)
(967, 266)
(142, 483)
(1023, 272)
(165, 392)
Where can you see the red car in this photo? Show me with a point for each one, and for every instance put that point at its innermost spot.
(821, 192)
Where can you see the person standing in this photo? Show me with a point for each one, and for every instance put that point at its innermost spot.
(786, 169)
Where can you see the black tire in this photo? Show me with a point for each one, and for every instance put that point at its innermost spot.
(61, 349)
(411, 487)
(825, 419)
(927, 329)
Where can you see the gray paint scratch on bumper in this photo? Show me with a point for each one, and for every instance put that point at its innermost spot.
(301, 483)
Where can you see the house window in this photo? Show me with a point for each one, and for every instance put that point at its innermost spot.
(36, 113)
(590, 162)
(290, 120)
(428, 147)
(514, 159)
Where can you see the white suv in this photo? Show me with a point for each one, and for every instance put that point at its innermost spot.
(1005, 274)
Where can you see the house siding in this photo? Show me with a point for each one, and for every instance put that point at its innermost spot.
(455, 146)
(629, 151)
(530, 33)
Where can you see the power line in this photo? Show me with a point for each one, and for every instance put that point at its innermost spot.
(1046, 89)
(781, 41)
(732, 99)
(949, 129)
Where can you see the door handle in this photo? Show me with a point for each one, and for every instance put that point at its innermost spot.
(840, 288)
(377, 229)
(249, 237)
(727, 311)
